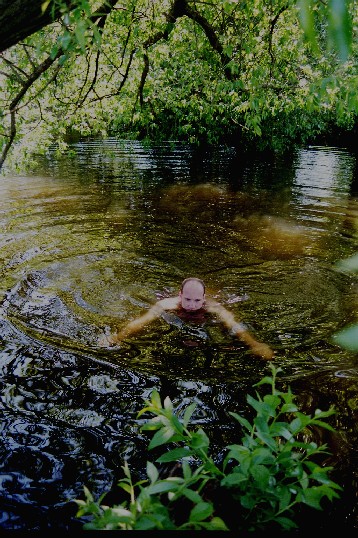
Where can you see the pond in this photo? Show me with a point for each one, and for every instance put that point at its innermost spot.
(93, 239)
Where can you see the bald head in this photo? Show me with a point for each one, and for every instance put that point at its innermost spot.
(192, 279)
(192, 294)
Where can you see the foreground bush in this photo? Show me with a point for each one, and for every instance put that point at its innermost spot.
(259, 485)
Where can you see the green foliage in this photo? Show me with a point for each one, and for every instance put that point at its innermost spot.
(78, 29)
(219, 72)
(348, 336)
(262, 480)
(339, 24)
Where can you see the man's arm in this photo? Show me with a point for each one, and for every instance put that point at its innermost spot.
(240, 330)
(137, 324)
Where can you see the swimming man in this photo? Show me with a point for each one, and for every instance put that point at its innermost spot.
(192, 301)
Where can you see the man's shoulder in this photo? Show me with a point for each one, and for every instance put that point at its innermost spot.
(168, 303)
(211, 305)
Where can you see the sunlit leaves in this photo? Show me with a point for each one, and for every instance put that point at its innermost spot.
(79, 33)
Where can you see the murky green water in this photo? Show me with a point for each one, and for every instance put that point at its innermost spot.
(91, 241)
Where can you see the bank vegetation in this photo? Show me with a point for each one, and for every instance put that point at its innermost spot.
(268, 74)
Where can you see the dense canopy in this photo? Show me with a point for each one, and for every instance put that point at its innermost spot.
(269, 73)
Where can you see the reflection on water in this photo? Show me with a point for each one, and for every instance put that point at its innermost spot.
(92, 240)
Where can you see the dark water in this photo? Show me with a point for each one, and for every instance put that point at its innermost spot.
(92, 240)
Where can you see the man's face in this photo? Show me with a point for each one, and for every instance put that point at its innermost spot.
(192, 297)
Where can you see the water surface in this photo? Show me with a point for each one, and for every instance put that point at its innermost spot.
(92, 240)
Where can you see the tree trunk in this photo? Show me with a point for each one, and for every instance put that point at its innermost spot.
(21, 18)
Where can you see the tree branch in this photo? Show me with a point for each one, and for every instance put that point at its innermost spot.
(181, 8)
(272, 28)
(99, 18)
(22, 18)
(19, 19)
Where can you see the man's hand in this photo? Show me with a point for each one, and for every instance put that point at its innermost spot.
(263, 351)
(108, 340)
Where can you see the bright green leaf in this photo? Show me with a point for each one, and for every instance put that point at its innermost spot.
(152, 472)
(161, 437)
(175, 455)
(201, 511)
(347, 338)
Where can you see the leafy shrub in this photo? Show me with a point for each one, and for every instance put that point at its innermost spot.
(258, 485)
(347, 337)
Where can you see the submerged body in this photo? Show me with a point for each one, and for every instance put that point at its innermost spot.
(191, 304)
